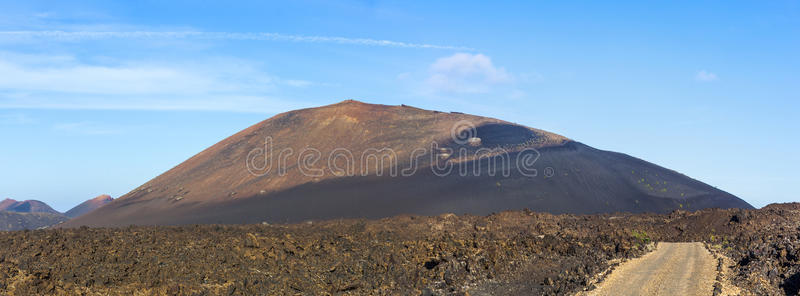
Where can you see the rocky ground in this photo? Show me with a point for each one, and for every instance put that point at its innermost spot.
(765, 247)
(510, 253)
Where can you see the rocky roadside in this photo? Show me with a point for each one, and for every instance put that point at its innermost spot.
(765, 250)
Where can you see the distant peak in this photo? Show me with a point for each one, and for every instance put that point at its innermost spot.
(352, 105)
(103, 197)
(89, 205)
(350, 101)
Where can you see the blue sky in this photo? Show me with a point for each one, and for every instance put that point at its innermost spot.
(99, 97)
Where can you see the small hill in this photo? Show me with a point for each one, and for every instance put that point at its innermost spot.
(27, 206)
(10, 221)
(89, 205)
(358, 160)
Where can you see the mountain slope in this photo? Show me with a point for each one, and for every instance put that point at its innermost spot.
(28, 206)
(10, 221)
(267, 173)
(89, 205)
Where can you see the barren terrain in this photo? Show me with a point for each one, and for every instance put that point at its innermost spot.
(19, 221)
(509, 253)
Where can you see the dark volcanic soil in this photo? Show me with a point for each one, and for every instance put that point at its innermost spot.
(511, 253)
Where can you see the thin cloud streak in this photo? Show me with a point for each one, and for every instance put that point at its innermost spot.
(254, 36)
(230, 103)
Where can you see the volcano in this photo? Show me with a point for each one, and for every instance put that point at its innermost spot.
(27, 206)
(358, 160)
(89, 205)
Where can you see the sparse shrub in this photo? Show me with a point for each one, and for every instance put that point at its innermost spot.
(642, 236)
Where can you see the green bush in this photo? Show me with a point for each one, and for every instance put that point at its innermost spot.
(641, 236)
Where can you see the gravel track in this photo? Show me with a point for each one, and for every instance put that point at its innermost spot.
(672, 269)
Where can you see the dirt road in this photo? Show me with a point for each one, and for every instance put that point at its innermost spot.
(672, 269)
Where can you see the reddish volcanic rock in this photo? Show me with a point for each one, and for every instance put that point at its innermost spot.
(89, 205)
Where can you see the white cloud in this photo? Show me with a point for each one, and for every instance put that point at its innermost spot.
(705, 76)
(60, 82)
(255, 36)
(466, 73)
